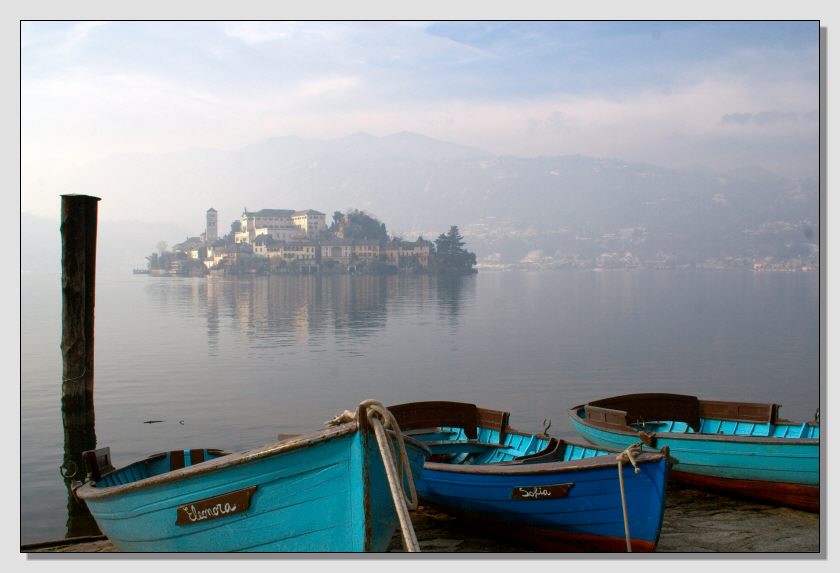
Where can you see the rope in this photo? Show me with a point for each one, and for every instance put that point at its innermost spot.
(403, 466)
(627, 455)
(63, 379)
(68, 473)
(396, 464)
(77, 378)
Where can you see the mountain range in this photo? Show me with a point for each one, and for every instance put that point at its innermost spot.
(507, 207)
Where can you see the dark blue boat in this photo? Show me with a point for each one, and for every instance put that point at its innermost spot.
(329, 491)
(744, 449)
(550, 494)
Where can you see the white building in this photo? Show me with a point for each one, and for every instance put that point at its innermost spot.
(265, 218)
(287, 233)
(280, 224)
(312, 222)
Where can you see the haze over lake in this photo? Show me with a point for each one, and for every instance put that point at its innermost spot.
(239, 360)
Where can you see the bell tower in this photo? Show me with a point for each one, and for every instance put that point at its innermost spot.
(212, 232)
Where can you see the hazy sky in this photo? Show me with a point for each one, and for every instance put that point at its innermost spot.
(719, 94)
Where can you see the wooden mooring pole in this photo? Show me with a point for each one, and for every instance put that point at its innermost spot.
(78, 272)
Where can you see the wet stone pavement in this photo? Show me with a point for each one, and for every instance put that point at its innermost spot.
(695, 522)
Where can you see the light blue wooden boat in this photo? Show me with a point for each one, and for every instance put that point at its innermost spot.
(738, 448)
(328, 491)
(550, 494)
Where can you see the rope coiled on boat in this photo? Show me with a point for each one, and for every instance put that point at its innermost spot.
(628, 454)
(396, 464)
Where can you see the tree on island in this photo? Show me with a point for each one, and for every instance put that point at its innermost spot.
(450, 254)
(360, 225)
(338, 219)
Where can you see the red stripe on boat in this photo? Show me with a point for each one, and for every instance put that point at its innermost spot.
(552, 540)
(803, 497)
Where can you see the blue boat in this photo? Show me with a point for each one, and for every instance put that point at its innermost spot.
(550, 494)
(336, 490)
(742, 449)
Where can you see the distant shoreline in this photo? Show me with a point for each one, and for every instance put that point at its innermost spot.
(535, 268)
(506, 268)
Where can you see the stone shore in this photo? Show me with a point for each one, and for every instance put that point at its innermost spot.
(695, 522)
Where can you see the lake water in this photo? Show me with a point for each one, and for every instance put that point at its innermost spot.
(229, 363)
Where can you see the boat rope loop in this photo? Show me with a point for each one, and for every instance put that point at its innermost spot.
(68, 470)
(397, 468)
(628, 455)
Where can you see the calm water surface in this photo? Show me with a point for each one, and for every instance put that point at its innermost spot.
(229, 363)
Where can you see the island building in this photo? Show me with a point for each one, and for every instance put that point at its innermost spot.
(398, 252)
(280, 224)
(339, 250)
(312, 222)
(302, 250)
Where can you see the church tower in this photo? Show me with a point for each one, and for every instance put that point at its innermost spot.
(212, 232)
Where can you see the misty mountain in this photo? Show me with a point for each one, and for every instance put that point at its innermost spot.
(506, 206)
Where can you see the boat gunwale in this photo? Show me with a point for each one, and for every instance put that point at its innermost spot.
(695, 436)
(560, 466)
(89, 490)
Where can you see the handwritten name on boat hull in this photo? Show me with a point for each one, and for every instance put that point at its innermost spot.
(537, 492)
(215, 507)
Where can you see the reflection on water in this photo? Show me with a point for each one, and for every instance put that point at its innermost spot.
(283, 311)
(450, 295)
(230, 362)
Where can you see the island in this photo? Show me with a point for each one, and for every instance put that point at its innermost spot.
(276, 241)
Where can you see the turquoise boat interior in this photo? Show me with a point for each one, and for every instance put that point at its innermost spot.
(452, 445)
(732, 428)
(156, 465)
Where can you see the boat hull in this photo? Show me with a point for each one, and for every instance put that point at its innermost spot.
(587, 518)
(795, 496)
(325, 492)
(774, 470)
